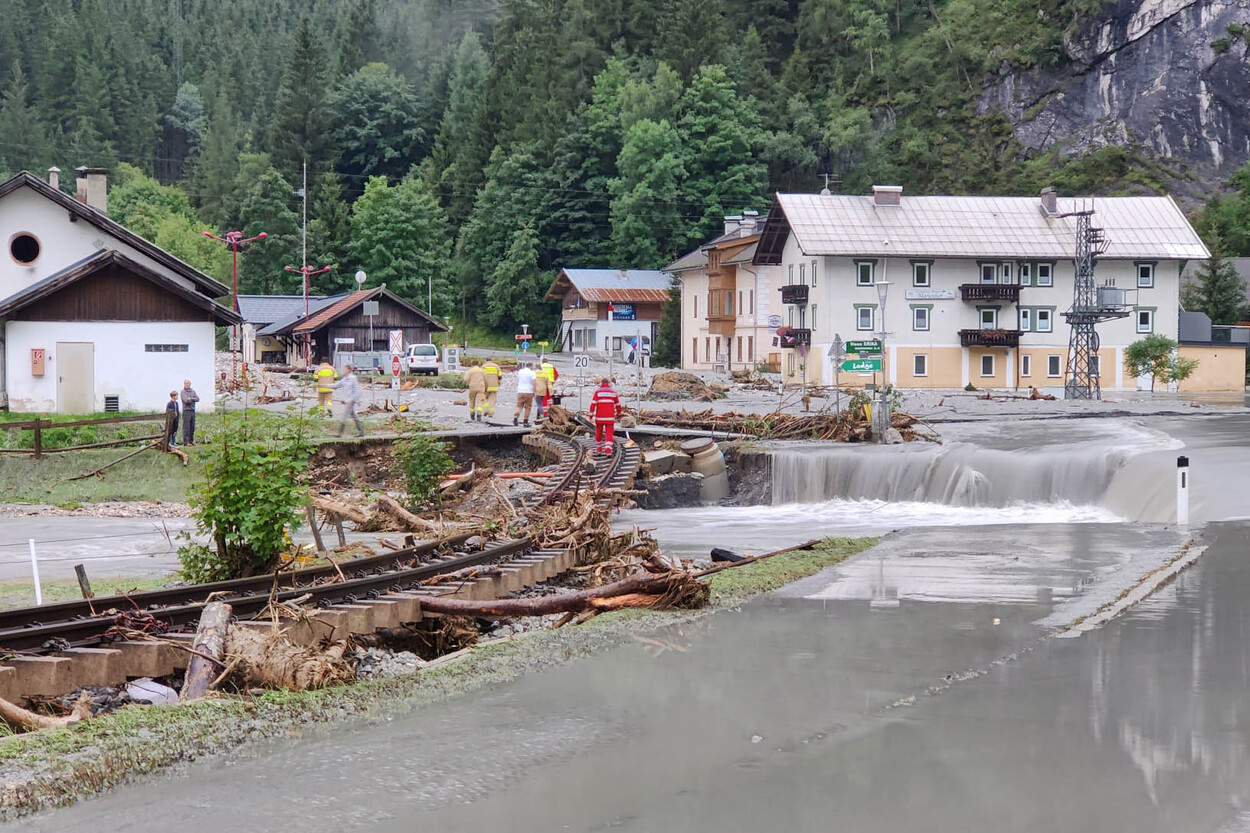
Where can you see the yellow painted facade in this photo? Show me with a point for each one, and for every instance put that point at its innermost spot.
(1221, 369)
(943, 366)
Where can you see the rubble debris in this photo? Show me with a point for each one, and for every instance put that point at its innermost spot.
(269, 659)
(677, 385)
(147, 690)
(847, 426)
(206, 651)
(24, 720)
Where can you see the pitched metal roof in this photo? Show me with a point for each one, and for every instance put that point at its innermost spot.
(203, 282)
(328, 309)
(627, 286)
(285, 323)
(111, 257)
(990, 227)
(266, 309)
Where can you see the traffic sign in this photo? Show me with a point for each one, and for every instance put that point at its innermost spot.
(543, 343)
(525, 345)
(862, 347)
(862, 365)
(524, 336)
(581, 361)
(394, 365)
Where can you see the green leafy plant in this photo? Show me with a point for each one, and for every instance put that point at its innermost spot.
(1156, 356)
(424, 461)
(254, 486)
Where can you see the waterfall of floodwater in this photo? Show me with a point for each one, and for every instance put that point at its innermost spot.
(954, 474)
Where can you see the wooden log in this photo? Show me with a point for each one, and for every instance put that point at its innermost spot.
(210, 641)
(391, 507)
(581, 600)
(84, 583)
(268, 659)
(337, 520)
(316, 530)
(20, 718)
(343, 510)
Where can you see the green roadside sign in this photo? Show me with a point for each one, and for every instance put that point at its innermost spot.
(862, 365)
(862, 347)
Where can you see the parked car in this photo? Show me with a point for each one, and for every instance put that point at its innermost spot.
(422, 358)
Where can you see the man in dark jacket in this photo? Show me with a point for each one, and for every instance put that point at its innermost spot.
(189, 397)
(171, 418)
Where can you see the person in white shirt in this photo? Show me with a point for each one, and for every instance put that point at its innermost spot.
(524, 393)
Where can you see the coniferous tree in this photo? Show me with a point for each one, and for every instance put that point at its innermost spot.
(329, 235)
(300, 125)
(1218, 290)
(361, 37)
(375, 123)
(266, 206)
(462, 148)
(648, 225)
(23, 139)
(217, 165)
(185, 127)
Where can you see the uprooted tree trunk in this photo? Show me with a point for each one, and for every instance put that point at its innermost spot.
(391, 507)
(20, 718)
(268, 659)
(344, 510)
(210, 643)
(671, 589)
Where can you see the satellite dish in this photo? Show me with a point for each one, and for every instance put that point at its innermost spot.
(361, 277)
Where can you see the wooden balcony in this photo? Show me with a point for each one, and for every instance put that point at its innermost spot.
(795, 293)
(989, 338)
(1009, 292)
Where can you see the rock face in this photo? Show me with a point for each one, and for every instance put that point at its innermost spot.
(1144, 72)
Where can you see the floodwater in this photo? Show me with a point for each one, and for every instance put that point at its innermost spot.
(917, 686)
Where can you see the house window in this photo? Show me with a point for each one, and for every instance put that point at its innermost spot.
(791, 314)
(813, 273)
(1026, 274)
(616, 344)
(1045, 274)
(694, 350)
(920, 274)
(1026, 319)
(1044, 322)
(1005, 275)
(1145, 321)
(750, 348)
(920, 318)
(920, 365)
(989, 273)
(165, 348)
(863, 272)
(1053, 368)
(1145, 276)
(987, 365)
(1095, 366)
(24, 248)
(802, 273)
(696, 306)
(790, 364)
(863, 318)
(751, 298)
(989, 318)
(707, 349)
(1026, 365)
(739, 348)
(740, 307)
(791, 280)
(814, 319)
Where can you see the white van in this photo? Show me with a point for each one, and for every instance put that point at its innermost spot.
(422, 358)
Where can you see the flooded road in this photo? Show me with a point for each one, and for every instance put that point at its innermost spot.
(919, 685)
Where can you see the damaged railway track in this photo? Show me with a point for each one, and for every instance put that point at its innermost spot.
(56, 648)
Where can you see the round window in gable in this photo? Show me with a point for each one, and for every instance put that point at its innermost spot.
(24, 248)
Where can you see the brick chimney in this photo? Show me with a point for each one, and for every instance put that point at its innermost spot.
(732, 222)
(887, 195)
(93, 184)
(1050, 202)
(54, 176)
(749, 224)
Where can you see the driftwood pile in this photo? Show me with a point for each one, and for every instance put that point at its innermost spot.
(677, 385)
(847, 426)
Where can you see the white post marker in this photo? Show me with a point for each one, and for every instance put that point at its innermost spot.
(34, 571)
(1182, 491)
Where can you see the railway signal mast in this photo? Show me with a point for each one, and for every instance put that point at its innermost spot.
(1091, 305)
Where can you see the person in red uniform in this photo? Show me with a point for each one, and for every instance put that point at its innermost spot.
(605, 406)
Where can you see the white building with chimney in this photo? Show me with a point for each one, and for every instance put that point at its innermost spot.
(92, 316)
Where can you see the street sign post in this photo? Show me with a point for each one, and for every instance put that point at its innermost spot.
(862, 365)
(862, 348)
(837, 353)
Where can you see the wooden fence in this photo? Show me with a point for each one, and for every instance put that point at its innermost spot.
(40, 425)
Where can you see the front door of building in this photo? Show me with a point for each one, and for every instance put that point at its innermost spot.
(75, 377)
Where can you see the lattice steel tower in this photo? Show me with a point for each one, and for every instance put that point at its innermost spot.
(1090, 306)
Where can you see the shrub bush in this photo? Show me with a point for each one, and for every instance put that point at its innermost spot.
(424, 461)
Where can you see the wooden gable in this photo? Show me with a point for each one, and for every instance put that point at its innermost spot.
(112, 293)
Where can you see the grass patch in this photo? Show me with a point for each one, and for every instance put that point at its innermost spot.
(147, 476)
(61, 766)
(21, 592)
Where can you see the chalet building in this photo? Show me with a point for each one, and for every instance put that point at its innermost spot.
(354, 328)
(259, 311)
(977, 286)
(92, 316)
(729, 306)
(636, 297)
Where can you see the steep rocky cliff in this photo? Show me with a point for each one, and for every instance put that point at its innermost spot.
(1145, 73)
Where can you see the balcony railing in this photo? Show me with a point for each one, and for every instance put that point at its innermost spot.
(990, 292)
(795, 293)
(790, 337)
(989, 338)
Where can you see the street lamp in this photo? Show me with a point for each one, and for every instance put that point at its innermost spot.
(235, 241)
(883, 288)
(307, 271)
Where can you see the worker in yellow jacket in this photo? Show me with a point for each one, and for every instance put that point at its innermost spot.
(493, 375)
(548, 371)
(325, 376)
(475, 378)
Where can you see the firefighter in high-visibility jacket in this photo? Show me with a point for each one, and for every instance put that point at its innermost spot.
(605, 407)
(547, 370)
(476, 381)
(492, 385)
(325, 376)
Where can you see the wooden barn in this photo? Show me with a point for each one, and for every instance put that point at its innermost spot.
(354, 328)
